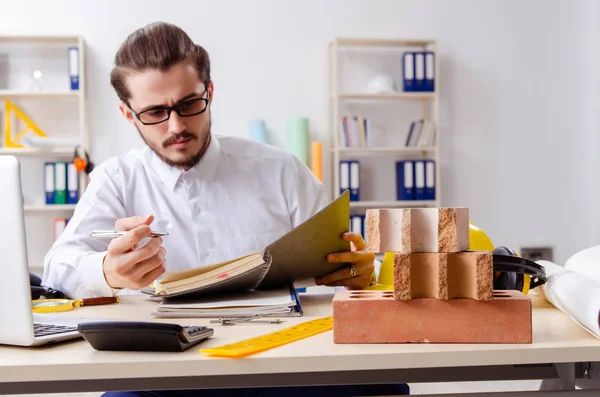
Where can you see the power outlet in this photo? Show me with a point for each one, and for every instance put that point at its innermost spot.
(538, 253)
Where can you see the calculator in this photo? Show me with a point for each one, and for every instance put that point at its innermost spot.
(142, 336)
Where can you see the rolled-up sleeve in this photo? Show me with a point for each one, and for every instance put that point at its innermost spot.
(73, 264)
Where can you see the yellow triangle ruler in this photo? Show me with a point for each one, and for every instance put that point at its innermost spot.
(268, 341)
(9, 141)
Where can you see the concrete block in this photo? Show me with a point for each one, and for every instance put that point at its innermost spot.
(467, 275)
(417, 230)
(364, 317)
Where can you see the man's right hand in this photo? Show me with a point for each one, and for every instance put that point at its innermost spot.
(128, 265)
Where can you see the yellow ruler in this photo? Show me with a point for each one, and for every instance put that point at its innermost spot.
(268, 341)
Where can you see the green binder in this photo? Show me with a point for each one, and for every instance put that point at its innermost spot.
(60, 182)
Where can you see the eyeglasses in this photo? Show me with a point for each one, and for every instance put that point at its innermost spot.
(160, 114)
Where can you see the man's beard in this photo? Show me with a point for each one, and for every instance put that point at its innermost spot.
(185, 163)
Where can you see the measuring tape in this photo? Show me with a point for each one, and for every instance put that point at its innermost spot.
(268, 341)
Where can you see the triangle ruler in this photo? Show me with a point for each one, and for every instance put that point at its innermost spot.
(14, 142)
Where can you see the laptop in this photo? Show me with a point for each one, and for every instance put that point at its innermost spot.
(20, 327)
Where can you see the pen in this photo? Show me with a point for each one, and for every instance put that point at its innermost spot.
(115, 234)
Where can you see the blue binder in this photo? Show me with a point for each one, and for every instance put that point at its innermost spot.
(419, 71)
(73, 62)
(408, 71)
(354, 180)
(72, 184)
(405, 187)
(344, 176)
(49, 182)
(429, 180)
(419, 173)
(429, 71)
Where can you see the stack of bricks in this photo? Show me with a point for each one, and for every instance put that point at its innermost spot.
(443, 293)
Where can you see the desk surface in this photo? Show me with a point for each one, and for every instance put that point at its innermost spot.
(556, 339)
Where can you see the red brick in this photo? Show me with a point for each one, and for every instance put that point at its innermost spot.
(444, 275)
(365, 317)
(408, 230)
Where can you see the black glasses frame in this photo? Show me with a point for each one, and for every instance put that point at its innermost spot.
(169, 109)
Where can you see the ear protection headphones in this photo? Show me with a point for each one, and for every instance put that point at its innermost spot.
(514, 273)
(38, 290)
(81, 163)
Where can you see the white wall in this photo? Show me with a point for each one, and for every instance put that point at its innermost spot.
(517, 86)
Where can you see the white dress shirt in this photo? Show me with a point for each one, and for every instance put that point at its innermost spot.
(240, 197)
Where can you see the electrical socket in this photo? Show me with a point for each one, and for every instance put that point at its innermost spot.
(538, 253)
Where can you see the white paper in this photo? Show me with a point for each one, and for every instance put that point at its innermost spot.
(574, 293)
(586, 262)
(280, 297)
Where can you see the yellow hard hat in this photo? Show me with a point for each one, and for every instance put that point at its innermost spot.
(478, 241)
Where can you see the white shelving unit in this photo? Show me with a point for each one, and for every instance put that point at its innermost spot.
(59, 112)
(352, 63)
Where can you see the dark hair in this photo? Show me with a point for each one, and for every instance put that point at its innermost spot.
(159, 46)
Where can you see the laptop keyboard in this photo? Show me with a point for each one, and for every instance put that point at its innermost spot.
(51, 329)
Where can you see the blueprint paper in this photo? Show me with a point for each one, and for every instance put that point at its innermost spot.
(574, 293)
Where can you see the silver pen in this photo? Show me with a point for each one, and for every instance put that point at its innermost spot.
(115, 234)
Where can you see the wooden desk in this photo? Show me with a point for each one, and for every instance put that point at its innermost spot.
(76, 367)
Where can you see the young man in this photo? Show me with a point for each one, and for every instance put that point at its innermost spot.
(218, 197)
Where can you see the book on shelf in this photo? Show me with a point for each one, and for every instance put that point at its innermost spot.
(298, 255)
(421, 133)
(355, 131)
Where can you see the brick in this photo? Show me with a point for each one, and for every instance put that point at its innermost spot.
(365, 317)
(468, 275)
(408, 230)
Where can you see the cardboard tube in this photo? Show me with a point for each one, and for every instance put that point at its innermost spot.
(317, 160)
(298, 138)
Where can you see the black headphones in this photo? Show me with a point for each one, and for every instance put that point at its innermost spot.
(515, 273)
(38, 290)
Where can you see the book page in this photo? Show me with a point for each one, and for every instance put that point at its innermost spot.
(183, 274)
(238, 272)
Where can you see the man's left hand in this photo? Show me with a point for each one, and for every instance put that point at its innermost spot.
(358, 275)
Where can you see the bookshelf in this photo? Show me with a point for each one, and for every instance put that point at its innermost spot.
(353, 65)
(34, 76)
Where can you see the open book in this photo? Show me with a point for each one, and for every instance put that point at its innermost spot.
(300, 254)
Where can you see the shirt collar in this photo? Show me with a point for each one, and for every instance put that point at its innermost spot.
(206, 168)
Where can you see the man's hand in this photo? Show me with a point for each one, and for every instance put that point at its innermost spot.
(128, 265)
(359, 274)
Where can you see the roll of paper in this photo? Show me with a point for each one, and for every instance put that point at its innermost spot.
(317, 160)
(258, 131)
(298, 138)
(575, 294)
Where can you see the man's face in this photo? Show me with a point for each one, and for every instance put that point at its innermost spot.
(178, 141)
